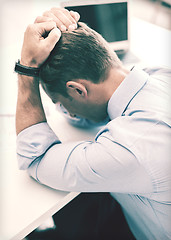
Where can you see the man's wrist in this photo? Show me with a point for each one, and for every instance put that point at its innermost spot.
(26, 70)
(29, 63)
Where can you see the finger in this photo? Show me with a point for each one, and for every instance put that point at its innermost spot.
(72, 15)
(71, 18)
(59, 24)
(52, 39)
(75, 15)
(45, 27)
(41, 19)
(62, 15)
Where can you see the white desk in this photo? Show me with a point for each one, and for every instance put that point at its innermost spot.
(25, 204)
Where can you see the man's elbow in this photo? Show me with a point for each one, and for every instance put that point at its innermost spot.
(24, 162)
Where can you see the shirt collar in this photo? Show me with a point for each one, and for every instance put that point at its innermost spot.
(126, 91)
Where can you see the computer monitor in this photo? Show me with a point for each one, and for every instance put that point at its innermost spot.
(109, 18)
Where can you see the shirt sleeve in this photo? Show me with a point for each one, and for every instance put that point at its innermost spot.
(79, 166)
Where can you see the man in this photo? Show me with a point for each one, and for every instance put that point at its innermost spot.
(129, 157)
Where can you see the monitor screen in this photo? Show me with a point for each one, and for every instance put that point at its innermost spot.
(110, 20)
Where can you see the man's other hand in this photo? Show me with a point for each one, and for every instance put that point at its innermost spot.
(39, 40)
(64, 19)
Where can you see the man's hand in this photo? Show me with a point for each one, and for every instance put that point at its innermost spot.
(39, 40)
(41, 37)
(64, 19)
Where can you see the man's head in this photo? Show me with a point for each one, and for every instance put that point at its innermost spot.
(80, 60)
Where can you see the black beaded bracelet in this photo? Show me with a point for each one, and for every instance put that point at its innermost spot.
(28, 71)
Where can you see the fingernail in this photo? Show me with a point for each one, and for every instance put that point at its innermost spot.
(77, 15)
(75, 25)
(71, 27)
(63, 28)
(58, 31)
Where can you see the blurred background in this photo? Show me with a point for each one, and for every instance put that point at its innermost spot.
(154, 11)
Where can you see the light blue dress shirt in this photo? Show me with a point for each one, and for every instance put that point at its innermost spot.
(130, 156)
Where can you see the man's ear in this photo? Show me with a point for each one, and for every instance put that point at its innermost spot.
(76, 90)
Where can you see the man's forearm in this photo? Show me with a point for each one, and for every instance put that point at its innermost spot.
(29, 105)
(36, 49)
